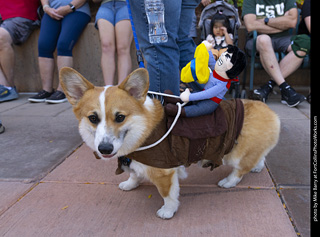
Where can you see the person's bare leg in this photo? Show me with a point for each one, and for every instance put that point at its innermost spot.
(290, 63)
(277, 73)
(6, 59)
(123, 41)
(268, 58)
(107, 37)
(46, 67)
(64, 61)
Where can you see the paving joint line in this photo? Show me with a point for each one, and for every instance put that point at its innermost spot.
(277, 188)
(20, 198)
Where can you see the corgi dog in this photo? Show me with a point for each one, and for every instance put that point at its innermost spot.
(115, 121)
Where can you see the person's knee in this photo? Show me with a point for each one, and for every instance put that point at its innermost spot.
(264, 43)
(64, 48)
(107, 47)
(123, 49)
(5, 39)
(45, 50)
(302, 54)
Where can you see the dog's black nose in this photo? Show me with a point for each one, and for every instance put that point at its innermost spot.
(105, 148)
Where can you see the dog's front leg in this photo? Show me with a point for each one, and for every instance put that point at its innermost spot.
(167, 183)
(132, 183)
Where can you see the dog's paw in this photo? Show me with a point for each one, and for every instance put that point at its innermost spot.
(258, 167)
(166, 212)
(128, 185)
(229, 182)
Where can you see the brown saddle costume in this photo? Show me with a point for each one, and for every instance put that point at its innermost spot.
(208, 137)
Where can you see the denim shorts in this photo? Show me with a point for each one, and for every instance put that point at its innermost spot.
(113, 11)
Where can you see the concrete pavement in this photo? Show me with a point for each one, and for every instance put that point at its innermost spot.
(51, 184)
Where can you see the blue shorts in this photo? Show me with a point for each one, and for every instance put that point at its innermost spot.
(113, 11)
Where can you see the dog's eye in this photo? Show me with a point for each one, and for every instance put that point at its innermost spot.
(94, 119)
(120, 118)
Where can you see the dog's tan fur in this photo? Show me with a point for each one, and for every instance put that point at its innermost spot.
(260, 132)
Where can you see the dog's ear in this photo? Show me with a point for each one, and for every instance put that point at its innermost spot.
(137, 84)
(73, 84)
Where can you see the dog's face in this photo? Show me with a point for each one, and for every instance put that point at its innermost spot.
(113, 120)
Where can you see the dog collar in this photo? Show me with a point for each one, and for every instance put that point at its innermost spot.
(124, 161)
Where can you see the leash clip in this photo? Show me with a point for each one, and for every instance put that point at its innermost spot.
(139, 56)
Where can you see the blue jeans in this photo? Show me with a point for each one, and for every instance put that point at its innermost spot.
(201, 107)
(165, 60)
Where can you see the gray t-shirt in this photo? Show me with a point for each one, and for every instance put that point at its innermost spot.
(58, 3)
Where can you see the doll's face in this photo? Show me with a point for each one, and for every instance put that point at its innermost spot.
(223, 64)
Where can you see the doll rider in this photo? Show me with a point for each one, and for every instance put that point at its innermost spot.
(216, 76)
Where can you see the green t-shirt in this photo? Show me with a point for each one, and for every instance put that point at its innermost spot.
(268, 8)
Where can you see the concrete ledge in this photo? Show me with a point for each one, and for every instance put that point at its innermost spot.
(87, 54)
(301, 77)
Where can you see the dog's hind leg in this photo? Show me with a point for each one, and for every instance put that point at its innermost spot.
(167, 183)
(259, 166)
(232, 180)
(250, 161)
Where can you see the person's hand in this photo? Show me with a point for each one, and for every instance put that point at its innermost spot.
(185, 95)
(224, 30)
(53, 13)
(63, 10)
(205, 2)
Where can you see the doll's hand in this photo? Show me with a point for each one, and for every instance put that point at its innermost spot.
(207, 44)
(185, 95)
(210, 39)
